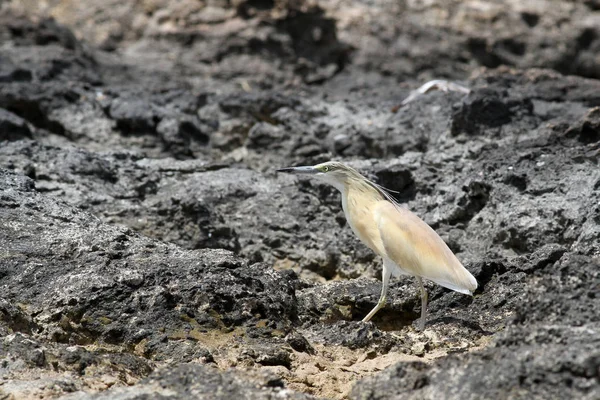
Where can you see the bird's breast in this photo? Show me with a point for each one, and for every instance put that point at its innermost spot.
(359, 214)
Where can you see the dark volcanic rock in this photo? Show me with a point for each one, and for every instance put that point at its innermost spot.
(193, 204)
(550, 350)
(127, 277)
(42, 51)
(13, 127)
(587, 130)
(136, 292)
(190, 381)
(148, 248)
(487, 109)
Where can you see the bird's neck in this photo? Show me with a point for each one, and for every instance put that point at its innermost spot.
(358, 193)
(363, 188)
(358, 201)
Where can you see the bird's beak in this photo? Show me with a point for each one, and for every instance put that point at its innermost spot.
(308, 170)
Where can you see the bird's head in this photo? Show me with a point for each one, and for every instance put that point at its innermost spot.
(332, 172)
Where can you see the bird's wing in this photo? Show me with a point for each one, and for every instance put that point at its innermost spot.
(411, 244)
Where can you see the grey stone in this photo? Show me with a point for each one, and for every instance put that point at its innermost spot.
(149, 249)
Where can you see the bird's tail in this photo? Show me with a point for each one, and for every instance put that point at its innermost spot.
(468, 286)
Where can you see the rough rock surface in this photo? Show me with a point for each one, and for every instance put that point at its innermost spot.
(148, 249)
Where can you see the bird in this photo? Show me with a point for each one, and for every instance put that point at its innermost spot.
(406, 243)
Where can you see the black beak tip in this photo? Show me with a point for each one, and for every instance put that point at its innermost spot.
(287, 170)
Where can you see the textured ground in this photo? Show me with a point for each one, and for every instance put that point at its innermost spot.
(149, 250)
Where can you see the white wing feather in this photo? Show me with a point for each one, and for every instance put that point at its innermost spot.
(418, 250)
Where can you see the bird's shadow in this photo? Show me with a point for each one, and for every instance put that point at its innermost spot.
(390, 321)
(446, 320)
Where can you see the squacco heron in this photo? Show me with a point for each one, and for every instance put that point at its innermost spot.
(406, 243)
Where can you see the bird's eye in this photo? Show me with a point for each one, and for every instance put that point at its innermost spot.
(326, 169)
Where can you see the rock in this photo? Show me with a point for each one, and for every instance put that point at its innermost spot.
(43, 50)
(517, 361)
(14, 319)
(12, 127)
(588, 129)
(223, 296)
(299, 343)
(485, 110)
(199, 381)
(148, 244)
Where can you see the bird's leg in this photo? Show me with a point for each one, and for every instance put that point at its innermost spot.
(423, 304)
(385, 275)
